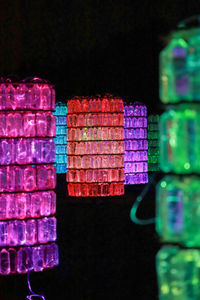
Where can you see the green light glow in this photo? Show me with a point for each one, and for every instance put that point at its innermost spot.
(180, 68)
(178, 210)
(153, 143)
(178, 273)
(180, 139)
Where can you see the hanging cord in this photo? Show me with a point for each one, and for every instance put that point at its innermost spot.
(137, 202)
(30, 297)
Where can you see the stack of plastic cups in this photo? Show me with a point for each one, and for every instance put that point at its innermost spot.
(153, 143)
(27, 177)
(61, 137)
(178, 193)
(136, 144)
(95, 146)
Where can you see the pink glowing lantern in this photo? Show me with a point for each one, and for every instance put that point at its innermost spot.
(27, 177)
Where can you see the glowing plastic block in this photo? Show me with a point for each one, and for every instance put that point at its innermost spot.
(27, 205)
(178, 273)
(178, 217)
(153, 143)
(27, 153)
(61, 138)
(179, 139)
(26, 259)
(95, 147)
(31, 95)
(136, 145)
(23, 151)
(179, 67)
(26, 124)
(27, 232)
(27, 178)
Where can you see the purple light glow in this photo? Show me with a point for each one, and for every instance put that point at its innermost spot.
(24, 259)
(136, 145)
(27, 124)
(27, 154)
(27, 178)
(27, 232)
(27, 205)
(23, 151)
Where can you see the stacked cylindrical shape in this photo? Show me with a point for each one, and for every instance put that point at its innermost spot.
(61, 137)
(136, 144)
(153, 143)
(95, 146)
(27, 177)
(178, 197)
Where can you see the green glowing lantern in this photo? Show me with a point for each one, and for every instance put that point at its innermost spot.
(180, 67)
(178, 210)
(178, 273)
(178, 195)
(180, 139)
(153, 143)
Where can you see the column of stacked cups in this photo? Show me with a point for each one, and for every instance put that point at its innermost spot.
(153, 143)
(95, 146)
(178, 193)
(61, 137)
(136, 144)
(27, 177)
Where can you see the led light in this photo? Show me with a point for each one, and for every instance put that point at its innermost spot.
(27, 176)
(95, 146)
(61, 139)
(178, 273)
(179, 140)
(153, 143)
(136, 145)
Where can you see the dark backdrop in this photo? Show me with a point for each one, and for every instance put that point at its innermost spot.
(89, 47)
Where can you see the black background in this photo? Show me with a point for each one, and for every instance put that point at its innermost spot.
(87, 47)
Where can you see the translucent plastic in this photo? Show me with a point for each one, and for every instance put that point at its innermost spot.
(27, 178)
(95, 146)
(179, 139)
(27, 124)
(26, 96)
(24, 259)
(178, 217)
(27, 232)
(61, 138)
(23, 151)
(153, 143)
(178, 273)
(136, 144)
(27, 205)
(179, 67)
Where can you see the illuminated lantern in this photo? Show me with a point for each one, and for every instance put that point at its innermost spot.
(178, 196)
(61, 138)
(95, 146)
(153, 143)
(27, 177)
(136, 145)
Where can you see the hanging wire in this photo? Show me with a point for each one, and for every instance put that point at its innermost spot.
(30, 297)
(137, 202)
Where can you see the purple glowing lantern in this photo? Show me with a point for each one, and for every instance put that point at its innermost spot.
(136, 145)
(27, 176)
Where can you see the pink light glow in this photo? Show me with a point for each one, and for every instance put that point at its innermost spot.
(27, 232)
(27, 205)
(27, 176)
(27, 124)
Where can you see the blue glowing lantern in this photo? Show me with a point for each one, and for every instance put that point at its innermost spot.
(61, 139)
